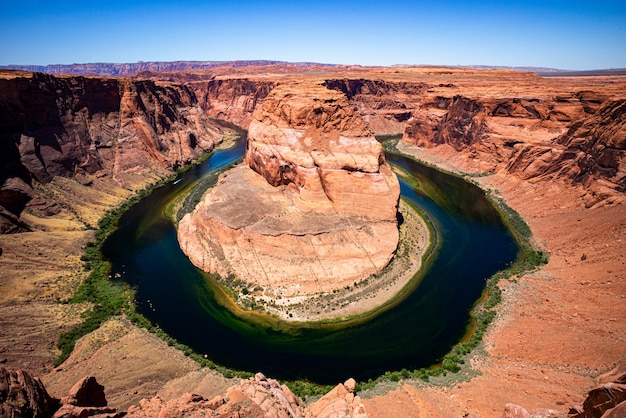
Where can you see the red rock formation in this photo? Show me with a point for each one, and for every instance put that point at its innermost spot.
(313, 139)
(86, 399)
(86, 392)
(255, 397)
(510, 134)
(232, 99)
(606, 400)
(385, 106)
(338, 403)
(592, 152)
(22, 395)
(53, 126)
(314, 211)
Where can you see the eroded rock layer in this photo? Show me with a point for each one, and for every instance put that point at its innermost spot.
(124, 130)
(314, 207)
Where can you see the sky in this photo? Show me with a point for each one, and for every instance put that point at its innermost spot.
(572, 35)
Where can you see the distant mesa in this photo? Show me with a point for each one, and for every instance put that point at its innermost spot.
(125, 69)
(313, 208)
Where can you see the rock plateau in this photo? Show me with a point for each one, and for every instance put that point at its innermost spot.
(313, 208)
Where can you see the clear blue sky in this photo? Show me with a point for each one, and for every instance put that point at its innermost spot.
(560, 34)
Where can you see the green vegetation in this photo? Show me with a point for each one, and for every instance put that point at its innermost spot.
(106, 297)
(109, 298)
(529, 259)
(306, 390)
(195, 192)
(384, 138)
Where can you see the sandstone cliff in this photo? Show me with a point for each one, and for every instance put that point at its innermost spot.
(232, 99)
(313, 210)
(577, 138)
(384, 105)
(112, 69)
(592, 153)
(117, 128)
(22, 395)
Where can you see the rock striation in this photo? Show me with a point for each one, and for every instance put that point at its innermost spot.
(312, 210)
(592, 153)
(128, 130)
(233, 100)
(578, 138)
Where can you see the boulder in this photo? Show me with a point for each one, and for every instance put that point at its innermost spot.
(22, 395)
(86, 392)
(338, 403)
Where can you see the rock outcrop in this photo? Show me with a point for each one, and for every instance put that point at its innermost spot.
(341, 402)
(314, 208)
(578, 138)
(255, 397)
(591, 153)
(22, 395)
(606, 400)
(64, 126)
(86, 399)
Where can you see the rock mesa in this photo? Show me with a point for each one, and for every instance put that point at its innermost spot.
(312, 209)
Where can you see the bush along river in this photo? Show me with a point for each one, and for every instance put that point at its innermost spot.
(473, 244)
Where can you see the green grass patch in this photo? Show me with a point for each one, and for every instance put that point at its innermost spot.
(529, 258)
(107, 297)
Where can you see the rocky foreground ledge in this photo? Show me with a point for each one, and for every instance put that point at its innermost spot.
(312, 210)
(22, 395)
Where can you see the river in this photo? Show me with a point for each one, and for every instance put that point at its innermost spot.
(416, 333)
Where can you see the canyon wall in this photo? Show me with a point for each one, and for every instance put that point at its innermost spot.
(234, 99)
(578, 137)
(61, 126)
(129, 131)
(536, 129)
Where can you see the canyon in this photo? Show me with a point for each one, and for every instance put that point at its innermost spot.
(553, 148)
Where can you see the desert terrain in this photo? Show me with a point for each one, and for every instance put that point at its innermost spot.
(552, 148)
